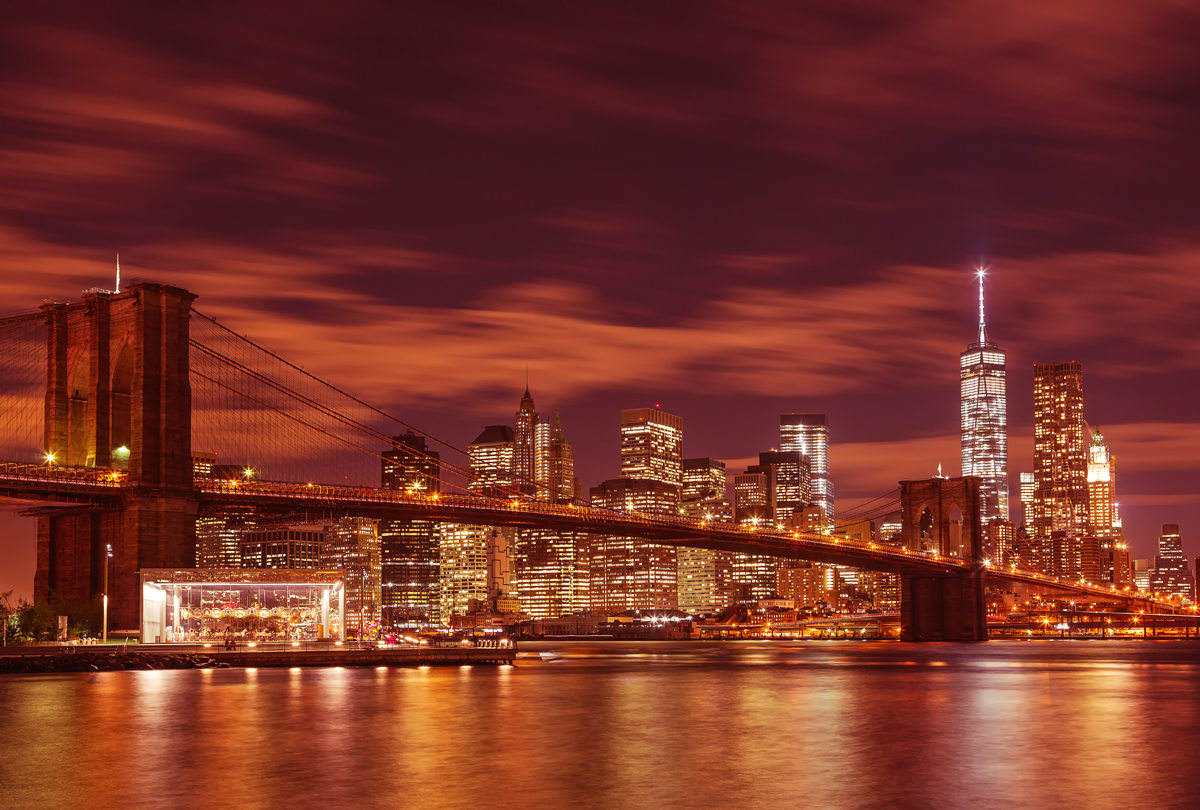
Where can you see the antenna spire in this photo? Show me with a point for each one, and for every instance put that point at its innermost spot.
(982, 329)
(118, 289)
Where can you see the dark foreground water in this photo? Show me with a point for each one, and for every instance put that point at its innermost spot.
(1052, 724)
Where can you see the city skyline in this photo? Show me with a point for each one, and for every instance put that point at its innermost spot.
(633, 241)
(555, 402)
(503, 469)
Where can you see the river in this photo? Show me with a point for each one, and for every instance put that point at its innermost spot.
(1035, 724)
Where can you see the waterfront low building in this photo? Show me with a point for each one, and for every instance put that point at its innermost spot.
(207, 605)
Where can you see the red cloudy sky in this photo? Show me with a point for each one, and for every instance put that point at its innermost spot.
(734, 210)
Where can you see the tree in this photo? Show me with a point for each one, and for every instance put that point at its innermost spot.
(5, 611)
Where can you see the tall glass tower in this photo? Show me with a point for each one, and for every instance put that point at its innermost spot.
(985, 419)
(1059, 453)
(808, 434)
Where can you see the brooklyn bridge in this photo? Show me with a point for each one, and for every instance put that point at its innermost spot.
(115, 407)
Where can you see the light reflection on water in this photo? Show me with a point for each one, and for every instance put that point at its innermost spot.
(662, 725)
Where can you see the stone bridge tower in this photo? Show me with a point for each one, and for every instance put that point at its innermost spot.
(118, 396)
(942, 516)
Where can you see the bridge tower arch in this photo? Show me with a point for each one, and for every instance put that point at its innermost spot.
(942, 516)
(118, 396)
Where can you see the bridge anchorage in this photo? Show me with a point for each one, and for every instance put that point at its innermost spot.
(107, 400)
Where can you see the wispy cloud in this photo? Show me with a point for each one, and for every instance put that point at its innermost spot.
(753, 338)
(109, 117)
(834, 84)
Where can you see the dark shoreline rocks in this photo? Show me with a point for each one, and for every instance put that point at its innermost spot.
(104, 662)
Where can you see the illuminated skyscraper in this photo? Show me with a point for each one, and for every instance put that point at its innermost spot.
(808, 434)
(411, 466)
(752, 498)
(789, 483)
(409, 550)
(1028, 488)
(705, 576)
(1172, 576)
(524, 445)
(552, 565)
(491, 458)
(1142, 569)
(410, 557)
(1059, 454)
(352, 548)
(219, 536)
(500, 573)
(627, 573)
(890, 528)
(283, 547)
(541, 458)
(984, 413)
(464, 570)
(560, 463)
(1103, 519)
(809, 585)
(1115, 565)
(703, 478)
(652, 446)
(768, 494)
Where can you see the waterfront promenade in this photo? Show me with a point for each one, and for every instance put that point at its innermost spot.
(111, 657)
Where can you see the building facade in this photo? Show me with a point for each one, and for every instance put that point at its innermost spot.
(789, 484)
(1028, 490)
(704, 577)
(352, 548)
(703, 478)
(219, 537)
(409, 549)
(552, 572)
(288, 547)
(813, 588)
(627, 573)
(464, 574)
(1142, 569)
(768, 494)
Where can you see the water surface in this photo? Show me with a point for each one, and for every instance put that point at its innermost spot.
(1053, 724)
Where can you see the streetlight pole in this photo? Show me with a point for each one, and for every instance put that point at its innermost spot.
(104, 628)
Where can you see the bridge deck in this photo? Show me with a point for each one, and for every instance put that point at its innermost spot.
(97, 488)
